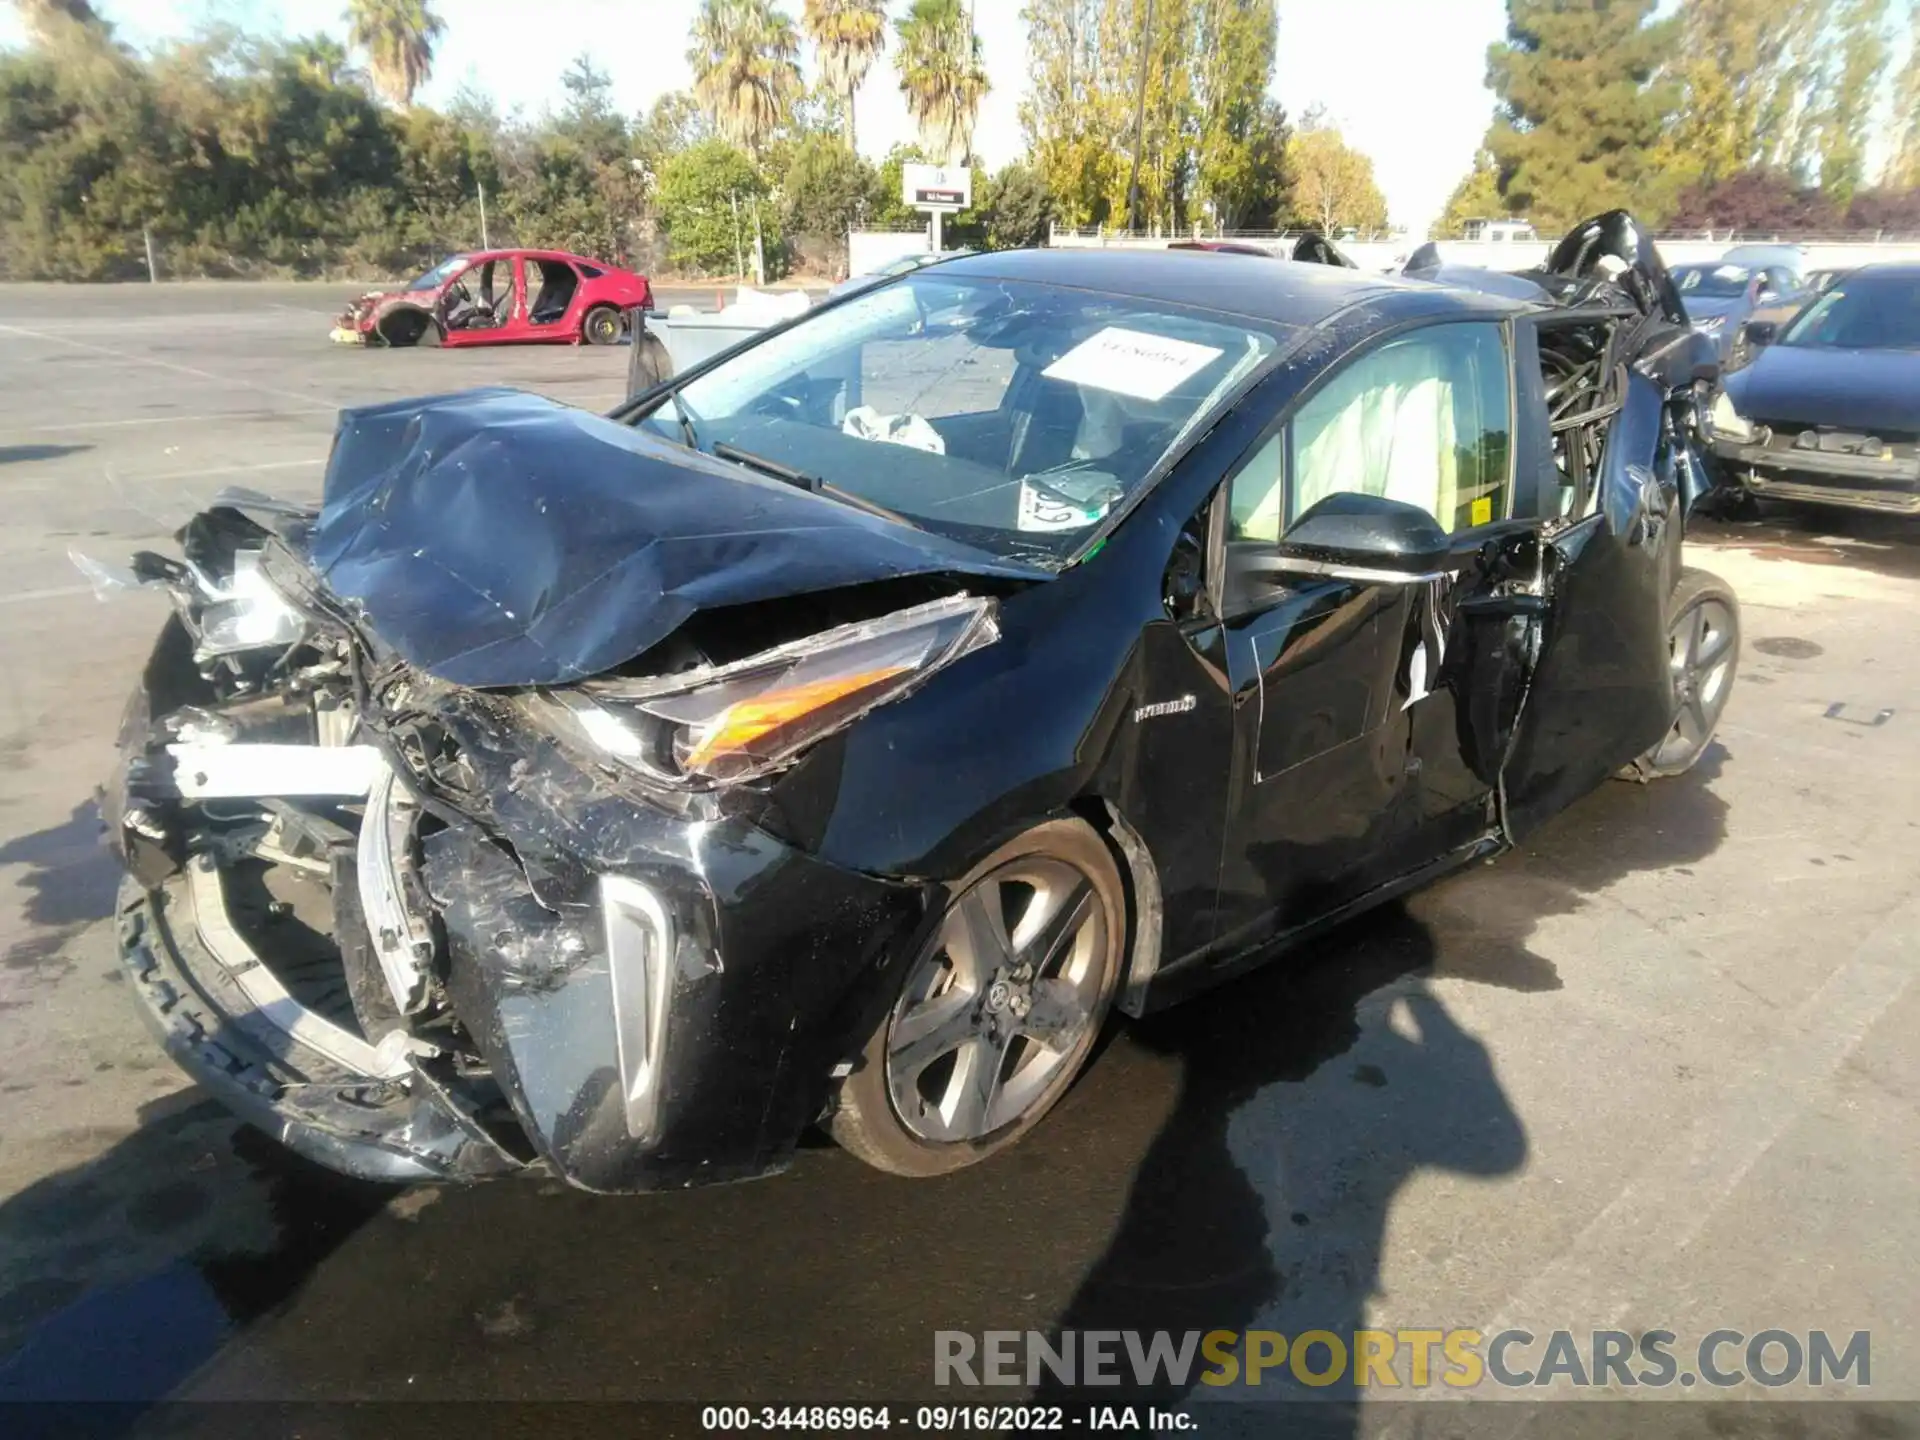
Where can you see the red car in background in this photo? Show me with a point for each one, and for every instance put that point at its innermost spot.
(500, 297)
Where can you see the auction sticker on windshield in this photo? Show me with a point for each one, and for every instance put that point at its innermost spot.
(1131, 362)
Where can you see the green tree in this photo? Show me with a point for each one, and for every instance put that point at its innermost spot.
(398, 37)
(827, 190)
(673, 123)
(1168, 118)
(891, 211)
(1333, 184)
(746, 70)
(588, 117)
(1239, 169)
(1743, 71)
(1019, 209)
(849, 34)
(1903, 166)
(1476, 197)
(1857, 59)
(324, 59)
(1580, 110)
(1073, 110)
(708, 196)
(941, 76)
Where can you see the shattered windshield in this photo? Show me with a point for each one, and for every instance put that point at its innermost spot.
(1867, 312)
(439, 275)
(1718, 282)
(1011, 415)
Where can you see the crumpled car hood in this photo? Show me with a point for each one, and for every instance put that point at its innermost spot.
(1866, 390)
(495, 539)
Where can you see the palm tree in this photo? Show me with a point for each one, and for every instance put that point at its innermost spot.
(398, 37)
(942, 76)
(850, 34)
(746, 68)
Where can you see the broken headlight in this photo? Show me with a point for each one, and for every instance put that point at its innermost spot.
(734, 722)
(1726, 423)
(247, 613)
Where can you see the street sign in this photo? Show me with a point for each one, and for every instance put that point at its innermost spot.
(937, 189)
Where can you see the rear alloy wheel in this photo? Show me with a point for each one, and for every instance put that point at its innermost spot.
(602, 326)
(998, 1011)
(1703, 651)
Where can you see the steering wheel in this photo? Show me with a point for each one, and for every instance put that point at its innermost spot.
(458, 292)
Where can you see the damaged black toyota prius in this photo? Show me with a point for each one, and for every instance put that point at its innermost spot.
(840, 731)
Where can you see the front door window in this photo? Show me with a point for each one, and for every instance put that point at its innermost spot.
(1426, 419)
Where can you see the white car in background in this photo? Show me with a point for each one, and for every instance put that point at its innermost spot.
(904, 265)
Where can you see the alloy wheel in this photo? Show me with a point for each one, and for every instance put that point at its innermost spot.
(1702, 644)
(1002, 1003)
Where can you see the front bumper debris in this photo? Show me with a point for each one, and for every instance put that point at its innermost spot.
(550, 973)
(1825, 477)
(279, 1066)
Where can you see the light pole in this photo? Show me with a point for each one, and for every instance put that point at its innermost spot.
(1139, 123)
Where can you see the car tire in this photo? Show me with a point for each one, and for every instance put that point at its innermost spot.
(1703, 646)
(911, 1106)
(601, 326)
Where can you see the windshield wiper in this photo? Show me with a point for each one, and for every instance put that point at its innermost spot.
(805, 480)
(685, 416)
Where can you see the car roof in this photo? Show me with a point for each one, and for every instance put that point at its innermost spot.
(1284, 292)
(1887, 269)
(536, 251)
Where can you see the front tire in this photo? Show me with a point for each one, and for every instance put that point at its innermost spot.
(1703, 651)
(998, 1011)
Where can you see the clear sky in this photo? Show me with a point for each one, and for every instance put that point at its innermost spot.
(1404, 79)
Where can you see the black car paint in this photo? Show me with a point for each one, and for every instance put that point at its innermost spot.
(617, 538)
(803, 896)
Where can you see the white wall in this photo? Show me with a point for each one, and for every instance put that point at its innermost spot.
(868, 250)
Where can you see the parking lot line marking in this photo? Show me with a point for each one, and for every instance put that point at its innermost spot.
(226, 470)
(60, 592)
(146, 420)
(304, 401)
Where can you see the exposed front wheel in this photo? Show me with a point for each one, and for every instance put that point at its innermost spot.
(601, 326)
(1703, 652)
(998, 1011)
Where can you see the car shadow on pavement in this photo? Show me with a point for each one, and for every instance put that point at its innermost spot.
(122, 1275)
(70, 882)
(1229, 1164)
(1314, 1091)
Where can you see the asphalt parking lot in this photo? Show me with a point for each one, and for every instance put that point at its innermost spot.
(1657, 1071)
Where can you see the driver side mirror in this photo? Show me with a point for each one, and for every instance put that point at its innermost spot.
(1759, 332)
(1366, 538)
